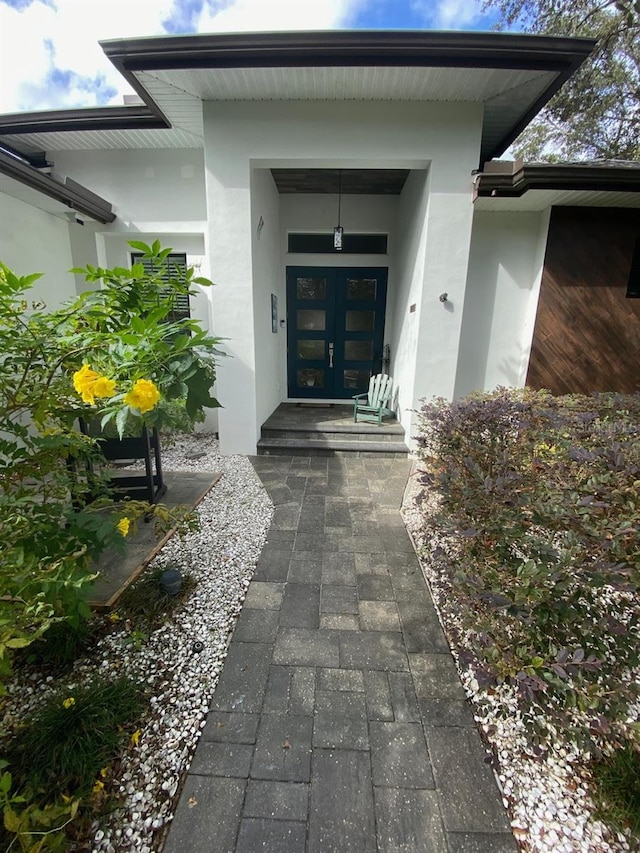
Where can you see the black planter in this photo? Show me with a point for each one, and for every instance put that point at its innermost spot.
(149, 486)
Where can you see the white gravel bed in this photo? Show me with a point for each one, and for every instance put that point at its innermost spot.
(548, 798)
(234, 518)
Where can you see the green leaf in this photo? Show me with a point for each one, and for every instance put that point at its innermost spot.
(140, 246)
(121, 420)
(11, 820)
(18, 643)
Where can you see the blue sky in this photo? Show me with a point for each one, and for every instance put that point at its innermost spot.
(50, 57)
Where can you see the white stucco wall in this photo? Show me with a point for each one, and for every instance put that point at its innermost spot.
(267, 279)
(503, 285)
(242, 136)
(34, 241)
(145, 186)
(403, 335)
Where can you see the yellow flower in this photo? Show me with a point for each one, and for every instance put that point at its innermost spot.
(104, 387)
(123, 526)
(115, 617)
(83, 382)
(90, 384)
(98, 787)
(135, 737)
(69, 702)
(143, 396)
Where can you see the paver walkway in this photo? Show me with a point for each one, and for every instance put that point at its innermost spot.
(339, 724)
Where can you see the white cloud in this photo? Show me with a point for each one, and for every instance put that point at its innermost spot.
(258, 15)
(449, 14)
(49, 52)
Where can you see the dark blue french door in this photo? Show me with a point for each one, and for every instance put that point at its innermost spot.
(335, 329)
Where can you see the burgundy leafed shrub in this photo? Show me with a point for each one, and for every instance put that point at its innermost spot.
(543, 493)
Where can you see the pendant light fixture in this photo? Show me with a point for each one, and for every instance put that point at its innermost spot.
(338, 230)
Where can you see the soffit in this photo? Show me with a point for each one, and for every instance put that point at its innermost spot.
(178, 94)
(537, 200)
(346, 181)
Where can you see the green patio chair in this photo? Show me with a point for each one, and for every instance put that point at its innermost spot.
(372, 406)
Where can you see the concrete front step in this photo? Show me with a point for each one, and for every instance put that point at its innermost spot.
(335, 433)
(330, 447)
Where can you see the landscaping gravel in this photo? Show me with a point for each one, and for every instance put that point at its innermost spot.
(180, 661)
(548, 797)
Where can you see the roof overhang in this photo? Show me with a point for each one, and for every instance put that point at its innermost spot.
(70, 194)
(513, 75)
(536, 186)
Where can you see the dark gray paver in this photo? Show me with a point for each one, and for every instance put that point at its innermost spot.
(221, 759)
(375, 588)
(243, 679)
(481, 842)
(376, 685)
(276, 836)
(305, 567)
(403, 698)
(305, 647)
(300, 606)
(283, 749)
(264, 595)
(208, 817)
(378, 616)
(231, 728)
(277, 800)
(338, 599)
(256, 626)
(421, 626)
(273, 564)
(332, 732)
(341, 818)
(409, 821)
(341, 703)
(339, 722)
(399, 755)
(340, 679)
(435, 677)
(445, 712)
(339, 569)
(470, 799)
(373, 650)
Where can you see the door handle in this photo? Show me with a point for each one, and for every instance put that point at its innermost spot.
(331, 354)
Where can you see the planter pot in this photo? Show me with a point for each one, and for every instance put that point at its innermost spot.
(145, 447)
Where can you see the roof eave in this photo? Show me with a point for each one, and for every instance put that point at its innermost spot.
(558, 177)
(72, 194)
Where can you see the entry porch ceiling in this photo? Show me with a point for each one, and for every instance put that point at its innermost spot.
(512, 75)
(346, 181)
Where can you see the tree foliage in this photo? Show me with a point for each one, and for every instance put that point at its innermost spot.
(596, 114)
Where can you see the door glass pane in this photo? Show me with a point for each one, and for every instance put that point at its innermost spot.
(359, 321)
(312, 319)
(361, 288)
(310, 378)
(311, 288)
(358, 350)
(310, 349)
(357, 378)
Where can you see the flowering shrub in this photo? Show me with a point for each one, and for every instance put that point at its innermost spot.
(543, 496)
(113, 358)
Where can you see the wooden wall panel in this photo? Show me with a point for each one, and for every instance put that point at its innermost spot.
(587, 333)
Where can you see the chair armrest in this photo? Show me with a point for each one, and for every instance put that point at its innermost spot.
(360, 396)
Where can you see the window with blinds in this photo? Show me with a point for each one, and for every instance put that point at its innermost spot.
(176, 263)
